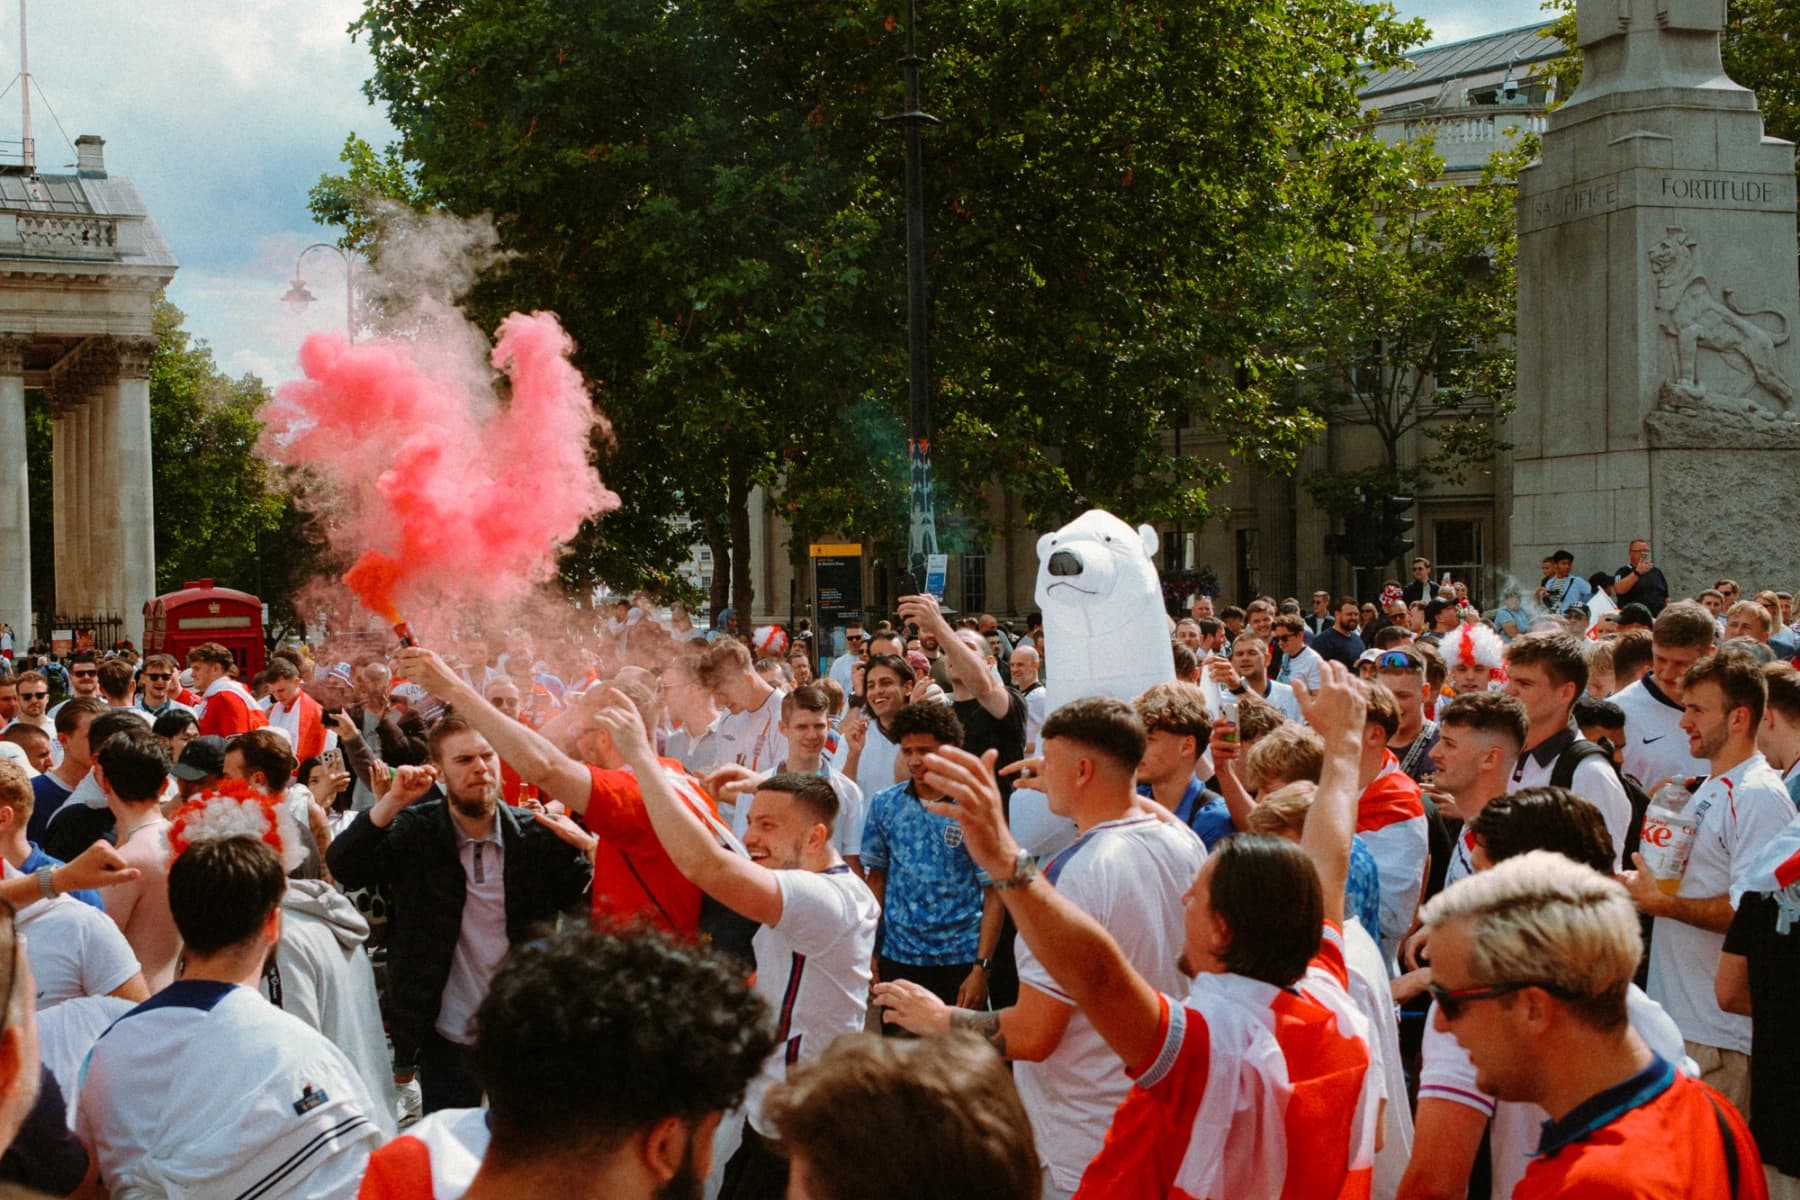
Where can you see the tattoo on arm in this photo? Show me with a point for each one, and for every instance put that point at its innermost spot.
(987, 1024)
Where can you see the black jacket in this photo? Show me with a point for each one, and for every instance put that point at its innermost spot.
(416, 857)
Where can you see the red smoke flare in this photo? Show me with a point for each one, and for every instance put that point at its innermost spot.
(441, 503)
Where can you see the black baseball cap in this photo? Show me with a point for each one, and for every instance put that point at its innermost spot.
(1634, 615)
(201, 758)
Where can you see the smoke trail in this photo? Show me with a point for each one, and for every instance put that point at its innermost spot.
(439, 498)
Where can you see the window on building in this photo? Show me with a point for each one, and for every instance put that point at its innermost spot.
(1177, 551)
(1459, 546)
(974, 583)
(1249, 573)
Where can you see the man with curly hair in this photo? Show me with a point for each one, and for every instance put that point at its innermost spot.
(608, 1060)
(942, 920)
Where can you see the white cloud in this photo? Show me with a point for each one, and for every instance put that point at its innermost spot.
(1454, 20)
(223, 113)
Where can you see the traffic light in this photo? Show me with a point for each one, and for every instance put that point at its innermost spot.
(1375, 532)
(1393, 519)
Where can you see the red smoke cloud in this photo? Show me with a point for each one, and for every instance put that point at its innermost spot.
(438, 501)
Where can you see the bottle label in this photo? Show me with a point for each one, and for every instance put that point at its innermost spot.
(1668, 840)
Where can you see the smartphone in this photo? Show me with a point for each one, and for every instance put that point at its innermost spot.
(333, 759)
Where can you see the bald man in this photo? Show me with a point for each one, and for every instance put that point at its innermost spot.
(1025, 666)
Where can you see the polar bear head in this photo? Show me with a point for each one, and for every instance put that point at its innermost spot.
(1099, 571)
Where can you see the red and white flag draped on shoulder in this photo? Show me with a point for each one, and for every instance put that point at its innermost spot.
(1256, 1093)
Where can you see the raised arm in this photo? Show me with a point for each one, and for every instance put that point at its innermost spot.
(1079, 954)
(734, 881)
(533, 756)
(1335, 712)
(965, 666)
(99, 866)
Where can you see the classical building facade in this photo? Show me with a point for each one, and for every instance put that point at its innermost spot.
(81, 267)
(1471, 97)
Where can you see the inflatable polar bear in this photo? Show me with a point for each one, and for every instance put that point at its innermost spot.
(1105, 634)
(1105, 630)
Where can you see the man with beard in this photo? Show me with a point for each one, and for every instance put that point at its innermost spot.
(470, 879)
(608, 1061)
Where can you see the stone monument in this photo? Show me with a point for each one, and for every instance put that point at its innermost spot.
(1658, 295)
(81, 268)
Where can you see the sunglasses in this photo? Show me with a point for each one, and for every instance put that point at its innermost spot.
(1453, 1002)
(34, 695)
(155, 675)
(84, 674)
(1397, 660)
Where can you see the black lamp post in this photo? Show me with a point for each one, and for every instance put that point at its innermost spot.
(922, 529)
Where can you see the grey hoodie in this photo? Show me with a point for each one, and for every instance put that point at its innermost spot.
(323, 976)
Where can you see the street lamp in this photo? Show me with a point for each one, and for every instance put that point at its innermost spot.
(298, 297)
(922, 541)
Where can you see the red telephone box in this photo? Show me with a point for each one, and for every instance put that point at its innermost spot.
(200, 612)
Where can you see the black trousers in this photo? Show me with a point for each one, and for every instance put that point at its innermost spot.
(755, 1172)
(941, 982)
(444, 1079)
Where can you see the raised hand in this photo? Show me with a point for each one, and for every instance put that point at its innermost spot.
(408, 786)
(1338, 707)
(1027, 774)
(921, 608)
(613, 711)
(425, 668)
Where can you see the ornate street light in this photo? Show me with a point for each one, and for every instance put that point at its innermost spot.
(298, 297)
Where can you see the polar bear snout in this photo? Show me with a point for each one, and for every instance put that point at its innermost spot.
(1064, 563)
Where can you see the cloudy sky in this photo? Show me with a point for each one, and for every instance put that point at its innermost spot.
(224, 113)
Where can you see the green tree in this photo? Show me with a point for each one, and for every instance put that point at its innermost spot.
(1121, 206)
(1413, 328)
(659, 188)
(222, 512)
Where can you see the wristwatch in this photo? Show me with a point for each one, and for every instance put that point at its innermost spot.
(46, 881)
(1025, 869)
(986, 964)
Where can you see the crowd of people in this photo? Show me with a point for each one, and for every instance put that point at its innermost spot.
(1401, 900)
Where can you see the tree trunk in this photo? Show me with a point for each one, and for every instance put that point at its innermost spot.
(719, 594)
(737, 505)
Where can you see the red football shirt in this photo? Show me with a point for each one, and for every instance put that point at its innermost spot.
(634, 877)
(1654, 1137)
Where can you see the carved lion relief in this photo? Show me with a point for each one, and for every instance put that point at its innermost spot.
(1688, 310)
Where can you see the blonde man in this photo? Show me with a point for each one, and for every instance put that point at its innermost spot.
(1531, 964)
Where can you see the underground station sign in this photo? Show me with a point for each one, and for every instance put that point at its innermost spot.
(837, 582)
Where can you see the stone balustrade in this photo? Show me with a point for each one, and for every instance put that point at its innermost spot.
(69, 235)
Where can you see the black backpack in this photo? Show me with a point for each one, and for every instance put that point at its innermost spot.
(1563, 774)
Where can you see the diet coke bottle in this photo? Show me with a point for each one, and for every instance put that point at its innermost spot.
(1668, 836)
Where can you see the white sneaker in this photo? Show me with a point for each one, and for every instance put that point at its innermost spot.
(412, 1102)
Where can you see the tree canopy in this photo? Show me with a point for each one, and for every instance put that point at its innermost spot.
(1121, 204)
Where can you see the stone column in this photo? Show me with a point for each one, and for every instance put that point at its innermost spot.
(15, 497)
(135, 550)
(81, 466)
(62, 448)
(105, 487)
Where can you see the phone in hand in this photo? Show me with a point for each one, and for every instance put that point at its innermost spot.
(333, 759)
